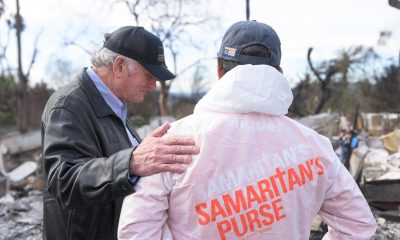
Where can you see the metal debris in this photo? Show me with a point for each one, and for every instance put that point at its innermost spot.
(22, 218)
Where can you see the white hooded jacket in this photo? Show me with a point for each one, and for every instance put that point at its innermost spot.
(259, 174)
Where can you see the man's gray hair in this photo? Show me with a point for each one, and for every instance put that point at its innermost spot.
(103, 57)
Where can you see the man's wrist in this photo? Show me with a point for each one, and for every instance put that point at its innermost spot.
(133, 179)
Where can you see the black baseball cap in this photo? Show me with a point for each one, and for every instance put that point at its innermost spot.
(139, 44)
(246, 33)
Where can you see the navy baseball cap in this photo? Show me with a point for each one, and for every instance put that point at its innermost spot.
(246, 33)
(139, 44)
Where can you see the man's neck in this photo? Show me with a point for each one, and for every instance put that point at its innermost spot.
(107, 77)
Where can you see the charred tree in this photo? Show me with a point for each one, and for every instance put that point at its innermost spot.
(324, 82)
(22, 109)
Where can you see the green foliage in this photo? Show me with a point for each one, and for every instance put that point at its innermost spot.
(183, 108)
(7, 83)
(141, 113)
(8, 89)
(386, 90)
(36, 99)
(6, 118)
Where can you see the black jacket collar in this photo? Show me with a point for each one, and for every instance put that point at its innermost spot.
(97, 101)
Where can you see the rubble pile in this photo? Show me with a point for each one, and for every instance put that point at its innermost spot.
(21, 219)
(386, 230)
(374, 164)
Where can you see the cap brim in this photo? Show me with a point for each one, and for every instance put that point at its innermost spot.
(159, 71)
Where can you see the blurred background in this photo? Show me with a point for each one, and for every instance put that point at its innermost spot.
(336, 54)
(342, 59)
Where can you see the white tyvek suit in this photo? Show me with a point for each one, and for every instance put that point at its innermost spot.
(259, 175)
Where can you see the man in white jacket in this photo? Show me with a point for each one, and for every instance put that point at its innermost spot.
(259, 174)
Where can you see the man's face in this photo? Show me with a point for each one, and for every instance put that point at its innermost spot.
(135, 82)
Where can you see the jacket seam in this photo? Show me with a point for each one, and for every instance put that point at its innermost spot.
(71, 212)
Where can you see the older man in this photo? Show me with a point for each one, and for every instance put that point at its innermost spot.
(259, 174)
(92, 156)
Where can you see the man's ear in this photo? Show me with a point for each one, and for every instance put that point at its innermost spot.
(117, 65)
(220, 71)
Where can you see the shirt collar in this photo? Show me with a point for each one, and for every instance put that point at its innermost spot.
(119, 107)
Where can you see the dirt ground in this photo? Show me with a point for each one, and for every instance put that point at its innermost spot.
(21, 219)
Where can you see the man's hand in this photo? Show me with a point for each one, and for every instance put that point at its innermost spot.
(156, 154)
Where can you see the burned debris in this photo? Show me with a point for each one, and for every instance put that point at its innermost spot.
(374, 163)
(21, 209)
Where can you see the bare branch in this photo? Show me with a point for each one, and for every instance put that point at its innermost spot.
(137, 8)
(5, 65)
(1, 8)
(195, 64)
(331, 70)
(35, 51)
(316, 73)
(168, 20)
(73, 43)
(133, 9)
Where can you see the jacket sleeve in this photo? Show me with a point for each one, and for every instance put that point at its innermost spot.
(144, 213)
(346, 211)
(73, 172)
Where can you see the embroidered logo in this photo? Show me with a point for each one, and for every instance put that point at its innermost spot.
(160, 56)
(230, 51)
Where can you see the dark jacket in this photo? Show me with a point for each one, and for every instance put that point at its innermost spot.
(86, 153)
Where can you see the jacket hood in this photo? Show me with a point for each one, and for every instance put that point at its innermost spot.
(249, 88)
